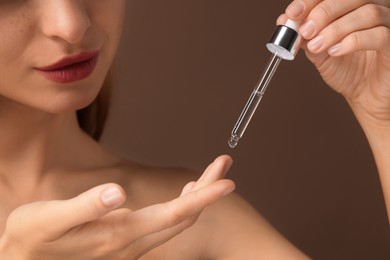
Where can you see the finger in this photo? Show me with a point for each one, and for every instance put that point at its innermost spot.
(167, 219)
(215, 171)
(86, 207)
(375, 39)
(187, 188)
(328, 11)
(282, 19)
(211, 165)
(147, 243)
(118, 231)
(299, 9)
(363, 18)
(97, 238)
(162, 216)
(150, 241)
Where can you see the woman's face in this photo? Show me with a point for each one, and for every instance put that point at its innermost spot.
(55, 54)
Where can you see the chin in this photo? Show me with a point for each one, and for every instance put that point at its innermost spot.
(67, 103)
(74, 97)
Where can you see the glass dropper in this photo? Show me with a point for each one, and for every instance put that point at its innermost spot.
(284, 44)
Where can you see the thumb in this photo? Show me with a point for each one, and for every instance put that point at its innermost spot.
(51, 219)
(88, 206)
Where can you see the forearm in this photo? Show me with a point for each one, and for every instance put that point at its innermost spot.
(378, 135)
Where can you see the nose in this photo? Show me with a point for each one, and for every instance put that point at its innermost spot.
(65, 19)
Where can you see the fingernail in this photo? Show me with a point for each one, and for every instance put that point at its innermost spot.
(335, 49)
(228, 165)
(111, 197)
(228, 191)
(308, 29)
(295, 9)
(316, 43)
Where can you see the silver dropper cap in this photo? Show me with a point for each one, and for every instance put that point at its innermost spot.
(285, 41)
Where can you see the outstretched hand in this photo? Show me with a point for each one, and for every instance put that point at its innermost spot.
(349, 43)
(90, 227)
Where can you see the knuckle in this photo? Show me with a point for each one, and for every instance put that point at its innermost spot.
(323, 11)
(384, 35)
(189, 222)
(174, 219)
(373, 12)
(109, 242)
(353, 40)
(336, 29)
(108, 236)
(34, 221)
(185, 224)
(310, 3)
(18, 222)
(174, 216)
(91, 207)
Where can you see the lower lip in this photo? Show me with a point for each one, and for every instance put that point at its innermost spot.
(71, 73)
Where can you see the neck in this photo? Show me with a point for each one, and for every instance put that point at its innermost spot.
(33, 143)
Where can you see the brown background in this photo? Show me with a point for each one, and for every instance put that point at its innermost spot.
(187, 67)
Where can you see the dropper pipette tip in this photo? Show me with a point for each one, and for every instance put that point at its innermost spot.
(233, 141)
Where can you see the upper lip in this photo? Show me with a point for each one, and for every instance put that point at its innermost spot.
(69, 60)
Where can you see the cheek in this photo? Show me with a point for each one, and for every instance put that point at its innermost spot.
(108, 16)
(16, 33)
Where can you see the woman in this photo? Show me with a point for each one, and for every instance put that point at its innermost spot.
(55, 56)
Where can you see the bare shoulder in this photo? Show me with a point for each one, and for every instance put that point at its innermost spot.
(238, 231)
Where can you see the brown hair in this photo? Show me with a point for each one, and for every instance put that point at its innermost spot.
(93, 117)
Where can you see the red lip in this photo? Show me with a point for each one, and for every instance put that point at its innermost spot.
(71, 68)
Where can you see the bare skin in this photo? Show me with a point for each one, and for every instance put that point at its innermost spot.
(62, 196)
(108, 236)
